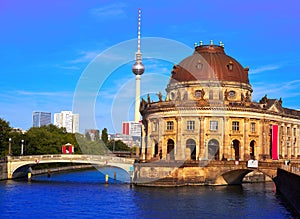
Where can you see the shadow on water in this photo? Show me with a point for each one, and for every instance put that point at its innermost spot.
(87, 176)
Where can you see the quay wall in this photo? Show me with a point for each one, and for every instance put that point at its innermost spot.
(3, 170)
(288, 184)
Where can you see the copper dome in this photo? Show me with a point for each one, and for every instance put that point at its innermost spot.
(209, 63)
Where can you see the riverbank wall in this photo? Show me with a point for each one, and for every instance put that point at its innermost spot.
(288, 185)
(3, 169)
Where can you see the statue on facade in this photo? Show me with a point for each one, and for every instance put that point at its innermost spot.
(202, 93)
(280, 101)
(159, 96)
(226, 95)
(247, 96)
(178, 97)
(148, 98)
(242, 97)
(264, 100)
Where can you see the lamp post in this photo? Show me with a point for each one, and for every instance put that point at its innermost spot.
(22, 147)
(9, 147)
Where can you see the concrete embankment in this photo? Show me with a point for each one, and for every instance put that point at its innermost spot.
(3, 169)
(288, 184)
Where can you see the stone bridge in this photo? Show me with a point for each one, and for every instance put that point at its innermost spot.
(200, 172)
(16, 162)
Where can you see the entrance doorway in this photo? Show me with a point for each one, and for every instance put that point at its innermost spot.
(170, 149)
(191, 146)
(213, 149)
(236, 147)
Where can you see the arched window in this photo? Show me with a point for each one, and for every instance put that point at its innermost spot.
(170, 149)
(235, 144)
(252, 154)
(191, 148)
(213, 149)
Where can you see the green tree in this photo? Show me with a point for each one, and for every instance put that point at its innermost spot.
(48, 140)
(90, 147)
(118, 146)
(88, 136)
(97, 135)
(4, 136)
(104, 136)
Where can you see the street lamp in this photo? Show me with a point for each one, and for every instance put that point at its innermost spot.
(9, 146)
(22, 147)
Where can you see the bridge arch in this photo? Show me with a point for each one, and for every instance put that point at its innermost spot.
(19, 162)
(236, 176)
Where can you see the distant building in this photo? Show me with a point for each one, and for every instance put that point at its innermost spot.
(68, 120)
(93, 133)
(132, 128)
(40, 119)
(129, 140)
(134, 131)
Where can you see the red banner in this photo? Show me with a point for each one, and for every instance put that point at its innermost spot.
(275, 142)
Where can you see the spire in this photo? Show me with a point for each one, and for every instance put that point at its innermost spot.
(139, 30)
(138, 67)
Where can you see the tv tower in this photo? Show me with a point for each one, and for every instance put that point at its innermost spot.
(138, 69)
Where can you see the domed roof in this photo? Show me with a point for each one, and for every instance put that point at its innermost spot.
(209, 63)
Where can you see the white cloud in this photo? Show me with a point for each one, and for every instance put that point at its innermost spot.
(45, 93)
(85, 56)
(264, 68)
(109, 11)
(289, 89)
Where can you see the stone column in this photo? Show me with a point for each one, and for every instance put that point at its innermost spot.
(246, 140)
(226, 139)
(201, 146)
(179, 146)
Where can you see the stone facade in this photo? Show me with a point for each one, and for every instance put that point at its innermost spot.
(208, 114)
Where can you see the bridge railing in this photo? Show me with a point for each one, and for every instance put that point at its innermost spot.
(85, 157)
(293, 167)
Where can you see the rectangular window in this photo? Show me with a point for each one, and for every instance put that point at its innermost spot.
(294, 132)
(190, 125)
(288, 130)
(170, 125)
(235, 126)
(252, 128)
(154, 126)
(213, 125)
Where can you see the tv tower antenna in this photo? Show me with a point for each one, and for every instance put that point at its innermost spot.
(138, 69)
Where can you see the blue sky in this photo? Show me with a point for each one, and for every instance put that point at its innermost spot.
(47, 46)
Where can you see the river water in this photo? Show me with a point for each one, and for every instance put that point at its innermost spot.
(84, 194)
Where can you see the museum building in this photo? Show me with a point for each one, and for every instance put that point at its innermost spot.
(208, 113)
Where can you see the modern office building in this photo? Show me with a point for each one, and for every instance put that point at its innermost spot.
(68, 120)
(40, 119)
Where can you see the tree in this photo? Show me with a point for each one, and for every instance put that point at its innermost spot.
(118, 146)
(88, 136)
(97, 135)
(48, 140)
(4, 136)
(104, 136)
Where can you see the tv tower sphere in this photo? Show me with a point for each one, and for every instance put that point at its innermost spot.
(138, 68)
